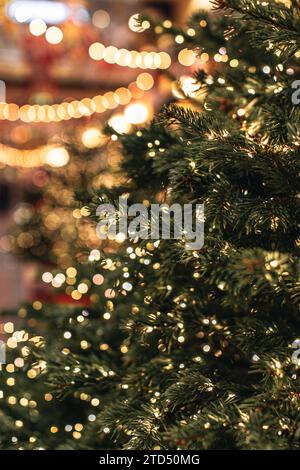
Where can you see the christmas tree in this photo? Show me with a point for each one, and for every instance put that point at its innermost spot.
(194, 348)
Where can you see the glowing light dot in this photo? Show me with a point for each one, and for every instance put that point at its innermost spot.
(31, 374)
(54, 35)
(96, 254)
(186, 57)
(92, 137)
(47, 277)
(71, 272)
(127, 286)
(60, 278)
(12, 343)
(119, 124)
(37, 305)
(19, 362)
(96, 51)
(37, 27)
(83, 288)
(95, 402)
(204, 57)
(165, 60)
(101, 19)
(110, 54)
(24, 402)
(98, 279)
(57, 157)
(145, 81)
(136, 113)
(107, 316)
(9, 327)
(191, 32)
(167, 24)
(110, 294)
(76, 295)
(266, 69)
(234, 63)
(179, 39)
(123, 95)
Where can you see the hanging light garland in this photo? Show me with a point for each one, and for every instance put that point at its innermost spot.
(133, 59)
(52, 155)
(76, 109)
(101, 103)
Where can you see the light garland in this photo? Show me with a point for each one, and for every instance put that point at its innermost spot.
(92, 137)
(53, 155)
(77, 109)
(86, 107)
(133, 59)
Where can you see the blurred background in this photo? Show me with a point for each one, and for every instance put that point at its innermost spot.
(66, 69)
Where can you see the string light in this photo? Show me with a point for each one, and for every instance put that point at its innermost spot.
(76, 109)
(125, 58)
(99, 104)
(55, 156)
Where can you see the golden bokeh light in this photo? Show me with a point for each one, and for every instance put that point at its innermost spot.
(37, 27)
(57, 157)
(92, 137)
